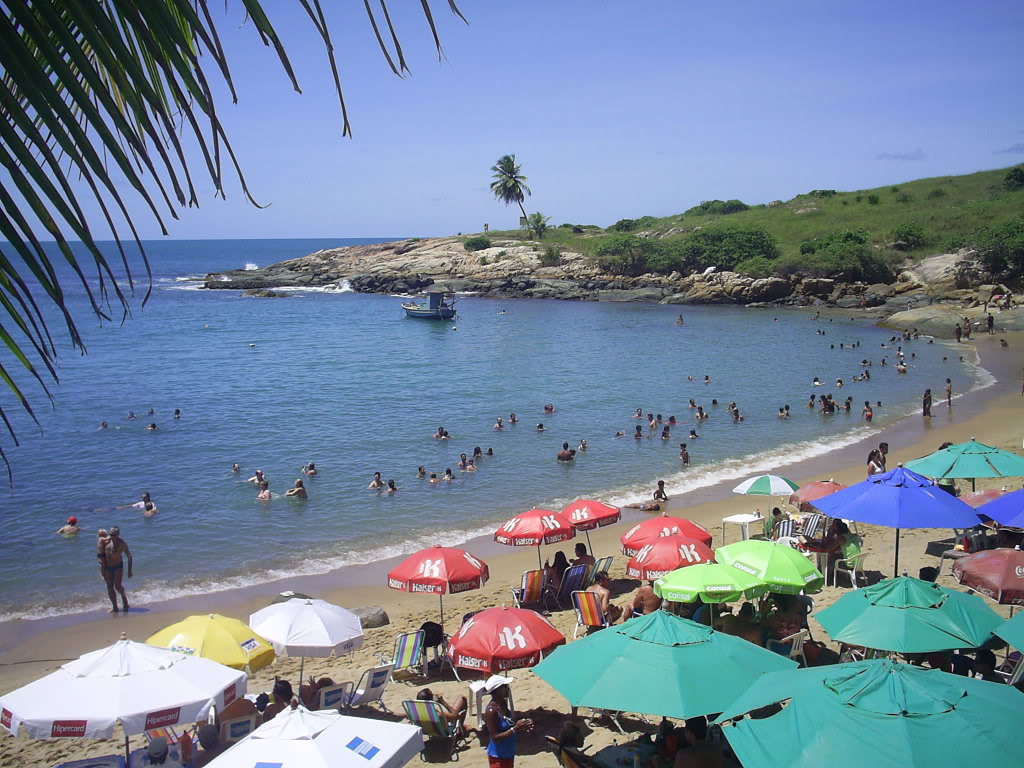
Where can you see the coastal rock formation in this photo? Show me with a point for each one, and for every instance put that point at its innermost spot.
(729, 288)
(264, 293)
(948, 272)
(372, 616)
(939, 320)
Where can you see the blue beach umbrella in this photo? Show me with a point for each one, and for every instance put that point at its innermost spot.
(898, 499)
(1008, 509)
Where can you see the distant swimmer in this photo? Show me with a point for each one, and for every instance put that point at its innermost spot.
(70, 528)
(549, 408)
(463, 460)
(470, 466)
(639, 435)
(104, 425)
(512, 419)
(111, 550)
(298, 490)
(684, 455)
(680, 321)
(138, 504)
(258, 478)
(392, 488)
(439, 435)
(693, 434)
(816, 382)
(498, 424)
(736, 417)
(502, 312)
(639, 413)
(252, 346)
(149, 510)
(310, 470)
(152, 428)
(659, 492)
(434, 478)
(131, 415)
(540, 427)
(619, 434)
(666, 433)
(490, 451)
(707, 379)
(477, 453)
(783, 414)
(701, 413)
(839, 383)
(564, 455)
(658, 418)
(672, 420)
(376, 482)
(421, 472)
(235, 468)
(151, 412)
(810, 403)
(448, 476)
(264, 494)
(583, 446)
(867, 412)
(177, 413)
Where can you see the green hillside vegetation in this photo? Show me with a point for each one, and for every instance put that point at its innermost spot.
(856, 235)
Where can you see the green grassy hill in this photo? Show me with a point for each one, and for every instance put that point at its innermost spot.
(819, 232)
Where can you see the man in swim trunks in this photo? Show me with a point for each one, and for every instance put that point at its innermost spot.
(110, 551)
(564, 454)
(644, 602)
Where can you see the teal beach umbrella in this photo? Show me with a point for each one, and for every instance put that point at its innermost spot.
(657, 664)
(780, 567)
(908, 615)
(969, 460)
(876, 713)
(1012, 631)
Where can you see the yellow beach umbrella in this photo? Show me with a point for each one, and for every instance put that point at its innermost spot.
(219, 638)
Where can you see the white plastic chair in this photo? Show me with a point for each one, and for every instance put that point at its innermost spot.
(853, 568)
(371, 686)
(797, 648)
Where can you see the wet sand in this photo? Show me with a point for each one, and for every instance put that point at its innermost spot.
(33, 648)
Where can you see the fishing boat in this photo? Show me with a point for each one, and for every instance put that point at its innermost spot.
(440, 306)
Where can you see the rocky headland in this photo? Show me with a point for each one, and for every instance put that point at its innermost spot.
(931, 294)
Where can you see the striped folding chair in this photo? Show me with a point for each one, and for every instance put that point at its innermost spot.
(813, 525)
(785, 527)
(588, 611)
(409, 658)
(572, 580)
(604, 564)
(531, 591)
(428, 715)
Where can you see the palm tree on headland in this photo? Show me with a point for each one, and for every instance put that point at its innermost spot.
(509, 184)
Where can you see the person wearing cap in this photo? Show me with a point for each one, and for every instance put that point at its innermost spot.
(502, 729)
(71, 528)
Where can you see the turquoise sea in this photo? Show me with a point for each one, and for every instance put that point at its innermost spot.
(346, 381)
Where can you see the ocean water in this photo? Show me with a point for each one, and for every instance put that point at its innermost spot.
(346, 381)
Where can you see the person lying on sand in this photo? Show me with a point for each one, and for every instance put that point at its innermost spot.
(645, 506)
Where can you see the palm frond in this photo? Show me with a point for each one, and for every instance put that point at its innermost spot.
(110, 93)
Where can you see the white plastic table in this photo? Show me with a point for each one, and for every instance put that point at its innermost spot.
(743, 521)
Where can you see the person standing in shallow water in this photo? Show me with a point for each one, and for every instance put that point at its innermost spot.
(926, 404)
(111, 550)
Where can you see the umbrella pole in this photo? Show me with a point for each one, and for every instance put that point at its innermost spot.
(440, 597)
(127, 749)
(590, 547)
(896, 564)
(539, 566)
(302, 668)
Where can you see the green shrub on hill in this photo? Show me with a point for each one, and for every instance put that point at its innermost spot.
(551, 257)
(935, 194)
(872, 199)
(477, 243)
(717, 208)
(910, 233)
(632, 255)
(758, 266)
(722, 247)
(1002, 246)
(624, 225)
(843, 260)
(1014, 179)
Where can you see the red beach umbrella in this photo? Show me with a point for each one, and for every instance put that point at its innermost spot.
(649, 531)
(667, 554)
(500, 639)
(437, 570)
(810, 491)
(533, 528)
(587, 514)
(976, 498)
(995, 573)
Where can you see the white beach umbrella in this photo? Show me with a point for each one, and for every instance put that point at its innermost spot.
(140, 686)
(313, 628)
(298, 738)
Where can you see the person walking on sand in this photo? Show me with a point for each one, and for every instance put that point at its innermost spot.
(926, 404)
(949, 393)
(111, 550)
(502, 729)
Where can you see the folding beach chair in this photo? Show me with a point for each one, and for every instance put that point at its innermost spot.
(237, 729)
(568, 757)
(370, 688)
(107, 761)
(336, 697)
(604, 564)
(813, 525)
(588, 612)
(428, 716)
(784, 527)
(532, 591)
(409, 658)
(572, 580)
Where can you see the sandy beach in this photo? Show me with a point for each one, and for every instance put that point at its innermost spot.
(34, 648)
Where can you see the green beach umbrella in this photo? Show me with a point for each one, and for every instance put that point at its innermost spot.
(908, 615)
(767, 485)
(1012, 631)
(658, 664)
(711, 582)
(876, 713)
(779, 566)
(969, 460)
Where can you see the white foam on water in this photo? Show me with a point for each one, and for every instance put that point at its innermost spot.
(250, 266)
(344, 287)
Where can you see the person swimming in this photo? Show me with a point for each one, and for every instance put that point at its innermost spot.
(672, 420)
(448, 476)
(512, 418)
(701, 413)
(152, 428)
(639, 414)
(707, 379)
(376, 482)
(235, 468)
(470, 466)
(498, 424)
(462, 461)
(540, 427)
(583, 446)
(639, 434)
(421, 472)
(298, 490)
(131, 415)
(104, 425)
(816, 382)
(310, 469)
(177, 413)
(264, 494)
(439, 435)
(392, 488)
(549, 408)
(684, 455)
(433, 478)
(666, 434)
(693, 434)
(477, 453)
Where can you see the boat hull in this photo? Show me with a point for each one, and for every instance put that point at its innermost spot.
(426, 313)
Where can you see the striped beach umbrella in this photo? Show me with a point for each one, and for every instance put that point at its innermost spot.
(767, 485)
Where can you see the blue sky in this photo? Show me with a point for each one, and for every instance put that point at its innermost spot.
(615, 109)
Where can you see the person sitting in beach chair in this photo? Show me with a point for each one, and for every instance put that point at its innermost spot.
(644, 602)
(582, 558)
(573, 579)
(454, 713)
(553, 573)
(432, 719)
(832, 543)
(600, 587)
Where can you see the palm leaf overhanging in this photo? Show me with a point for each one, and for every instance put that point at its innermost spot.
(105, 95)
